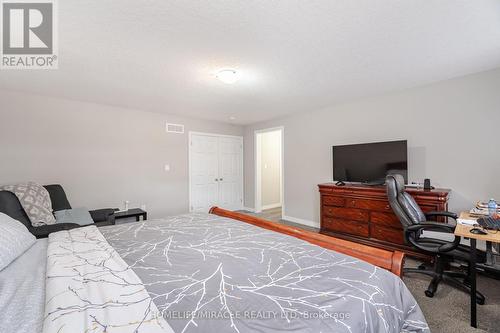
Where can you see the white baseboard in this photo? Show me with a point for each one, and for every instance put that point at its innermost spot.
(251, 210)
(271, 206)
(301, 221)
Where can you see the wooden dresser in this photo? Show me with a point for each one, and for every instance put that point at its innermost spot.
(362, 214)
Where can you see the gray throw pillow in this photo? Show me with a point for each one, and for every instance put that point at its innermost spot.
(79, 216)
(15, 239)
(35, 201)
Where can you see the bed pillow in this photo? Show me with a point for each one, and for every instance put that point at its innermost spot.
(35, 200)
(15, 239)
(79, 216)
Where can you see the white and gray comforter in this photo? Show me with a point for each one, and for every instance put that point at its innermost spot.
(211, 274)
(198, 273)
(89, 288)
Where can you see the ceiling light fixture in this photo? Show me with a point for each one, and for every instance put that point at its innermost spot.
(228, 76)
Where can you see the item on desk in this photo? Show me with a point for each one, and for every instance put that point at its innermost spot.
(478, 231)
(489, 222)
(126, 203)
(478, 212)
(469, 221)
(427, 185)
(484, 205)
(492, 207)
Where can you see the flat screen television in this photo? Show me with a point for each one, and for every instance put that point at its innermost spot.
(370, 162)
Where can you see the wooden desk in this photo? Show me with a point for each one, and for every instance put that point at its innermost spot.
(491, 237)
(464, 231)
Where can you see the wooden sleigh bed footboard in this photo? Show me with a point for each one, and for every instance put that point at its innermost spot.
(389, 260)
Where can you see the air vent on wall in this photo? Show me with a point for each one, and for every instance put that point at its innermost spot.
(175, 128)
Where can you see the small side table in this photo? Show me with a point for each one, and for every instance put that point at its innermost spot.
(134, 212)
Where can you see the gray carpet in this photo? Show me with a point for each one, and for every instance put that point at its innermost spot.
(449, 310)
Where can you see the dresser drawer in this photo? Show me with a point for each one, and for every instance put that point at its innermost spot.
(333, 201)
(391, 235)
(369, 204)
(346, 226)
(385, 219)
(347, 213)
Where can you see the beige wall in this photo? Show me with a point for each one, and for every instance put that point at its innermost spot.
(271, 168)
(452, 130)
(102, 155)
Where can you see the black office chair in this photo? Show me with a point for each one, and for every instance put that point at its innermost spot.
(415, 222)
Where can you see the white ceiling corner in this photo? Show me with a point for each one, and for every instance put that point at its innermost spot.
(292, 55)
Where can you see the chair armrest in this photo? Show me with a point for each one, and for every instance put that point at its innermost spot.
(416, 229)
(103, 215)
(432, 226)
(441, 213)
(45, 230)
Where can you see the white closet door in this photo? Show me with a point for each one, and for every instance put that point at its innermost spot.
(204, 172)
(216, 172)
(230, 173)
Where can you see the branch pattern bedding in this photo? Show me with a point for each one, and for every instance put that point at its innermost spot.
(89, 288)
(207, 273)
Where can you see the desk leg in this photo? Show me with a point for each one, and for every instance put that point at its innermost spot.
(472, 277)
(489, 254)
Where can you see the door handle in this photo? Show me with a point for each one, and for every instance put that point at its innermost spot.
(221, 179)
(216, 179)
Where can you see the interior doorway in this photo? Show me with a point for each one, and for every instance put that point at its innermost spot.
(269, 171)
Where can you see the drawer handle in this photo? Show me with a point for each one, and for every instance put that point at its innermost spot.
(387, 207)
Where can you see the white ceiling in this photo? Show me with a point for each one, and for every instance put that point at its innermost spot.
(293, 55)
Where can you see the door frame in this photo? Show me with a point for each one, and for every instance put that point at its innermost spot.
(258, 173)
(242, 183)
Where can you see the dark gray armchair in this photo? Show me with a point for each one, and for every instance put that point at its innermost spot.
(415, 222)
(60, 201)
(10, 205)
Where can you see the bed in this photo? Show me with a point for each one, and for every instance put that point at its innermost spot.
(218, 272)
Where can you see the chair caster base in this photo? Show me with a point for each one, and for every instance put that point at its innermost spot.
(429, 293)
